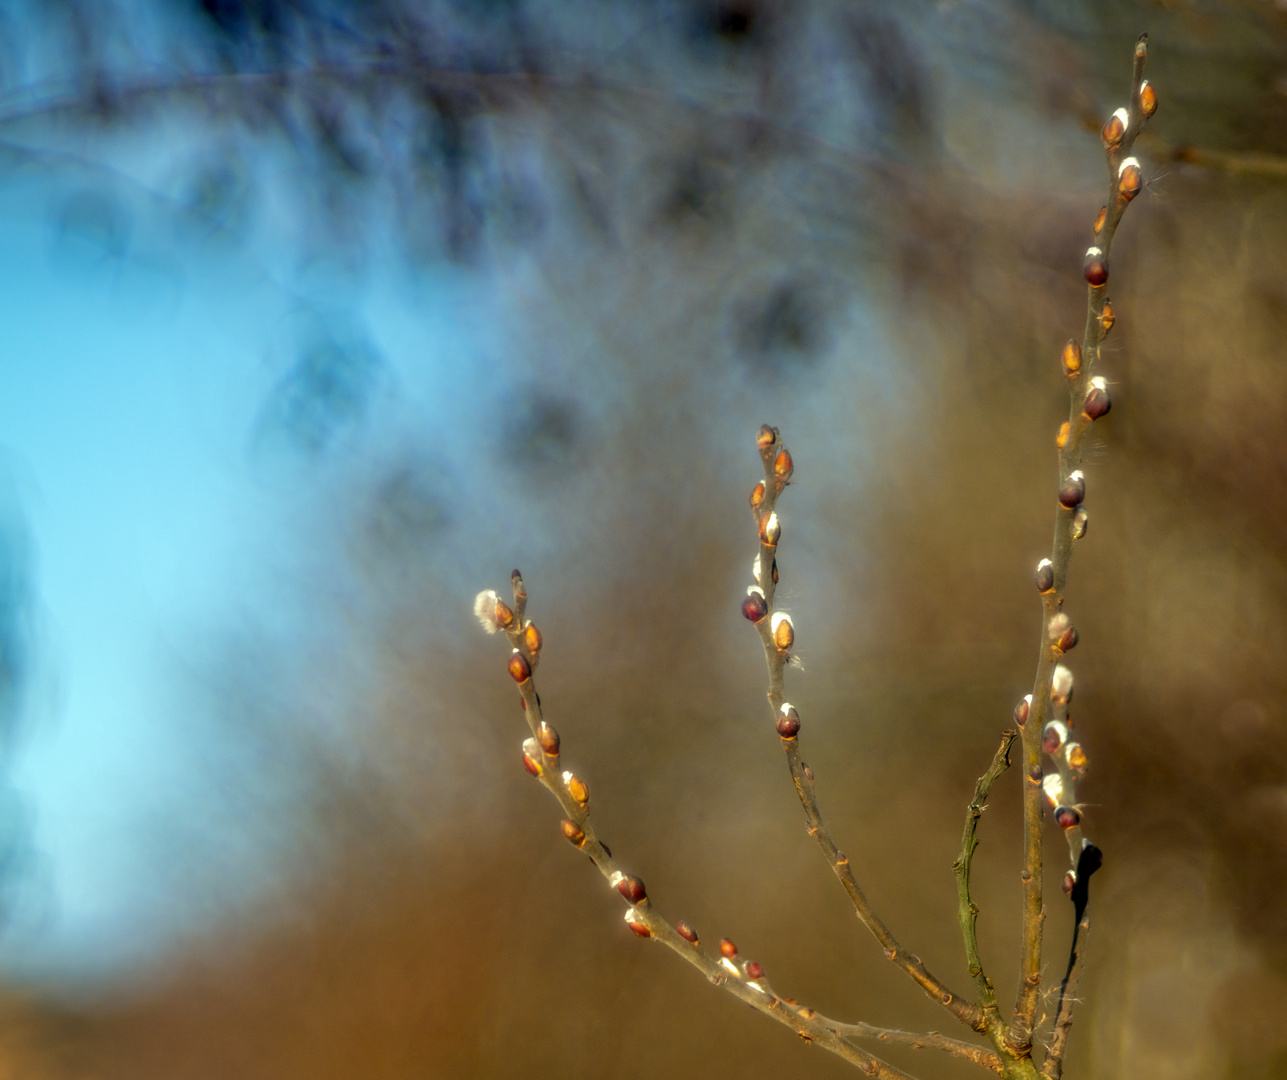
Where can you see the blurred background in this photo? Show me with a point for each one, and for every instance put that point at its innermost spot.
(317, 317)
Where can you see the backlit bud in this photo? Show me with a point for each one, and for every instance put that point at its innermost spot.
(1061, 685)
(1095, 267)
(1097, 401)
(548, 738)
(757, 495)
(1073, 490)
(755, 607)
(686, 932)
(1076, 758)
(1148, 99)
(1067, 641)
(1106, 317)
(1071, 358)
(635, 921)
(1053, 787)
(1070, 880)
(1129, 179)
(632, 888)
(532, 638)
(788, 722)
(1114, 129)
(574, 833)
(770, 530)
(485, 604)
(1067, 817)
(1022, 709)
(1044, 577)
(1062, 633)
(578, 789)
(1100, 218)
(727, 949)
(783, 466)
(532, 758)
(754, 971)
(1053, 737)
(504, 615)
(766, 437)
(1061, 439)
(1081, 519)
(783, 631)
(519, 669)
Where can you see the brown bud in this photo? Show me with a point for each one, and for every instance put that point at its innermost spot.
(766, 437)
(548, 738)
(636, 923)
(1067, 641)
(1052, 738)
(1097, 401)
(1071, 358)
(754, 971)
(783, 466)
(727, 949)
(1095, 268)
(1073, 490)
(573, 831)
(516, 582)
(1080, 522)
(1061, 439)
(1148, 99)
(770, 530)
(519, 669)
(1106, 317)
(531, 762)
(783, 631)
(1058, 626)
(808, 772)
(1070, 880)
(1044, 577)
(686, 932)
(1067, 817)
(1076, 757)
(773, 570)
(757, 495)
(632, 888)
(532, 638)
(788, 722)
(755, 607)
(1022, 709)
(504, 615)
(578, 789)
(1114, 129)
(1100, 218)
(1129, 179)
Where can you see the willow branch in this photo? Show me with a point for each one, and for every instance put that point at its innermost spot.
(919, 1040)
(777, 635)
(1052, 1068)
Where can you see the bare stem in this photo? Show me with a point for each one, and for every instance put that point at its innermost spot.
(931, 1040)
(1052, 1068)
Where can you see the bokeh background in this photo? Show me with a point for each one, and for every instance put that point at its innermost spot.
(317, 317)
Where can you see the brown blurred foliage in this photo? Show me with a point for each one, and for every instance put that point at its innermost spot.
(450, 931)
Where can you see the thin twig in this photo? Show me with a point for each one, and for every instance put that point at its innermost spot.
(931, 1040)
(777, 473)
(1052, 1068)
(967, 912)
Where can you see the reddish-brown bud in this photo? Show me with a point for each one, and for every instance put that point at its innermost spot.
(754, 971)
(773, 571)
(1044, 577)
(574, 833)
(1076, 758)
(1067, 817)
(1063, 635)
(770, 530)
(1061, 439)
(1095, 268)
(1080, 522)
(548, 738)
(757, 495)
(1129, 179)
(636, 923)
(1073, 490)
(1107, 318)
(727, 949)
(788, 722)
(504, 615)
(1097, 401)
(1022, 709)
(532, 759)
(532, 638)
(686, 932)
(1100, 218)
(783, 466)
(632, 888)
(1070, 881)
(1148, 99)
(578, 789)
(1052, 738)
(1114, 129)
(519, 669)
(766, 436)
(755, 607)
(1071, 358)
